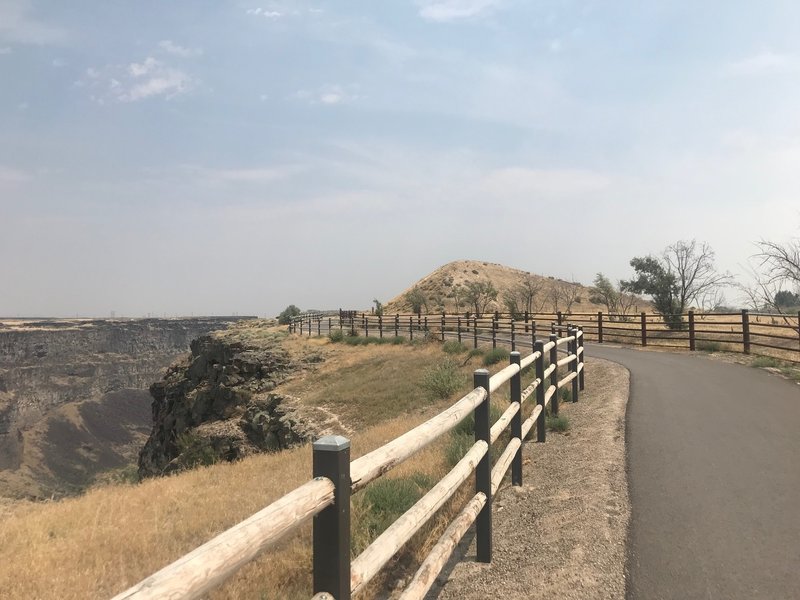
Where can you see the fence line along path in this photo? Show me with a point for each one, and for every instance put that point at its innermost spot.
(326, 497)
(772, 335)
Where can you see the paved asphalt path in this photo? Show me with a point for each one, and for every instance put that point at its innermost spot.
(714, 476)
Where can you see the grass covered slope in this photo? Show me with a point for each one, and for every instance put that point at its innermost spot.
(100, 543)
(445, 285)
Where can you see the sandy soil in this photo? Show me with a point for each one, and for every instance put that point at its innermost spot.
(562, 535)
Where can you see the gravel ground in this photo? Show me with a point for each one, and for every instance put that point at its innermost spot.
(562, 534)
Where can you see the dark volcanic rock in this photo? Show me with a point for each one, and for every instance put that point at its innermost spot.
(218, 405)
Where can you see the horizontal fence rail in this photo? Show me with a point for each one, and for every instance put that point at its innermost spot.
(772, 335)
(326, 497)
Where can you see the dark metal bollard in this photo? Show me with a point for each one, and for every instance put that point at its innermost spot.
(483, 472)
(331, 553)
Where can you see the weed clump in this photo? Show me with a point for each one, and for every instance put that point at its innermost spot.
(494, 356)
(336, 336)
(453, 347)
(557, 423)
(443, 380)
(382, 503)
(708, 346)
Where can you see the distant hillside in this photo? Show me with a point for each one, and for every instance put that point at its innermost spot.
(444, 290)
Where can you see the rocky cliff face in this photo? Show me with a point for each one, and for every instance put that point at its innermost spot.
(218, 404)
(73, 396)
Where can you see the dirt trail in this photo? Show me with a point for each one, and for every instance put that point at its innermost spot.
(562, 535)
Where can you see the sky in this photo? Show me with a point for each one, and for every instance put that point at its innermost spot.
(227, 157)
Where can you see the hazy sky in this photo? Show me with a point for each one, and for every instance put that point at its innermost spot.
(217, 157)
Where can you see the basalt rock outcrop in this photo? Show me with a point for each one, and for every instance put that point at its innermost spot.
(219, 405)
(73, 396)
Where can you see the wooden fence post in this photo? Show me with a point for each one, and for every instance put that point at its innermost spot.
(560, 319)
(396, 325)
(573, 366)
(330, 326)
(516, 421)
(527, 318)
(366, 326)
(746, 330)
(494, 333)
(483, 472)
(513, 337)
(691, 330)
(309, 325)
(533, 336)
(319, 326)
(582, 358)
(474, 331)
(380, 325)
(331, 553)
(411, 329)
(459, 330)
(554, 374)
(600, 327)
(541, 431)
(644, 329)
(443, 322)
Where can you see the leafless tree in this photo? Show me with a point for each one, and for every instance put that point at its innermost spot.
(692, 264)
(564, 294)
(525, 296)
(777, 268)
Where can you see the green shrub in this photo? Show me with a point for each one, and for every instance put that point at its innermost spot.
(462, 437)
(397, 340)
(354, 340)
(565, 394)
(475, 352)
(195, 451)
(287, 314)
(384, 501)
(453, 347)
(766, 361)
(557, 423)
(708, 346)
(336, 335)
(442, 380)
(494, 356)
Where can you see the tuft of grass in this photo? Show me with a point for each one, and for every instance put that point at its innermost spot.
(766, 361)
(443, 380)
(382, 503)
(558, 423)
(453, 347)
(565, 394)
(494, 356)
(475, 352)
(397, 340)
(708, 346)
(336, 336)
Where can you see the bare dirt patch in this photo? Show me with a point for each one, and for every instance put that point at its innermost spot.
(562, 535)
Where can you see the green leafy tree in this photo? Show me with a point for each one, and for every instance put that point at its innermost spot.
(786, 299)
(288, 313)
(378, 307)
(605, 293)
(654, 279)
(479, 294)
(417, 299)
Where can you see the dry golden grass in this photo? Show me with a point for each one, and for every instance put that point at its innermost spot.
(99, 544)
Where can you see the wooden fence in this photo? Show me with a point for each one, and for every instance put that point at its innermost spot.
(773, 335)
(326, 497)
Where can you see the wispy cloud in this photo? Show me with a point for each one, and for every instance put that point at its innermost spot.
(329, 94)
(453, 10)
(265, 12)
(137, 81)
(765, 63)
(184, 52)
(19, 26)
(5, 50)
(10, 175)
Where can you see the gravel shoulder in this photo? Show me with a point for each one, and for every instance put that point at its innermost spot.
(563, 533)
